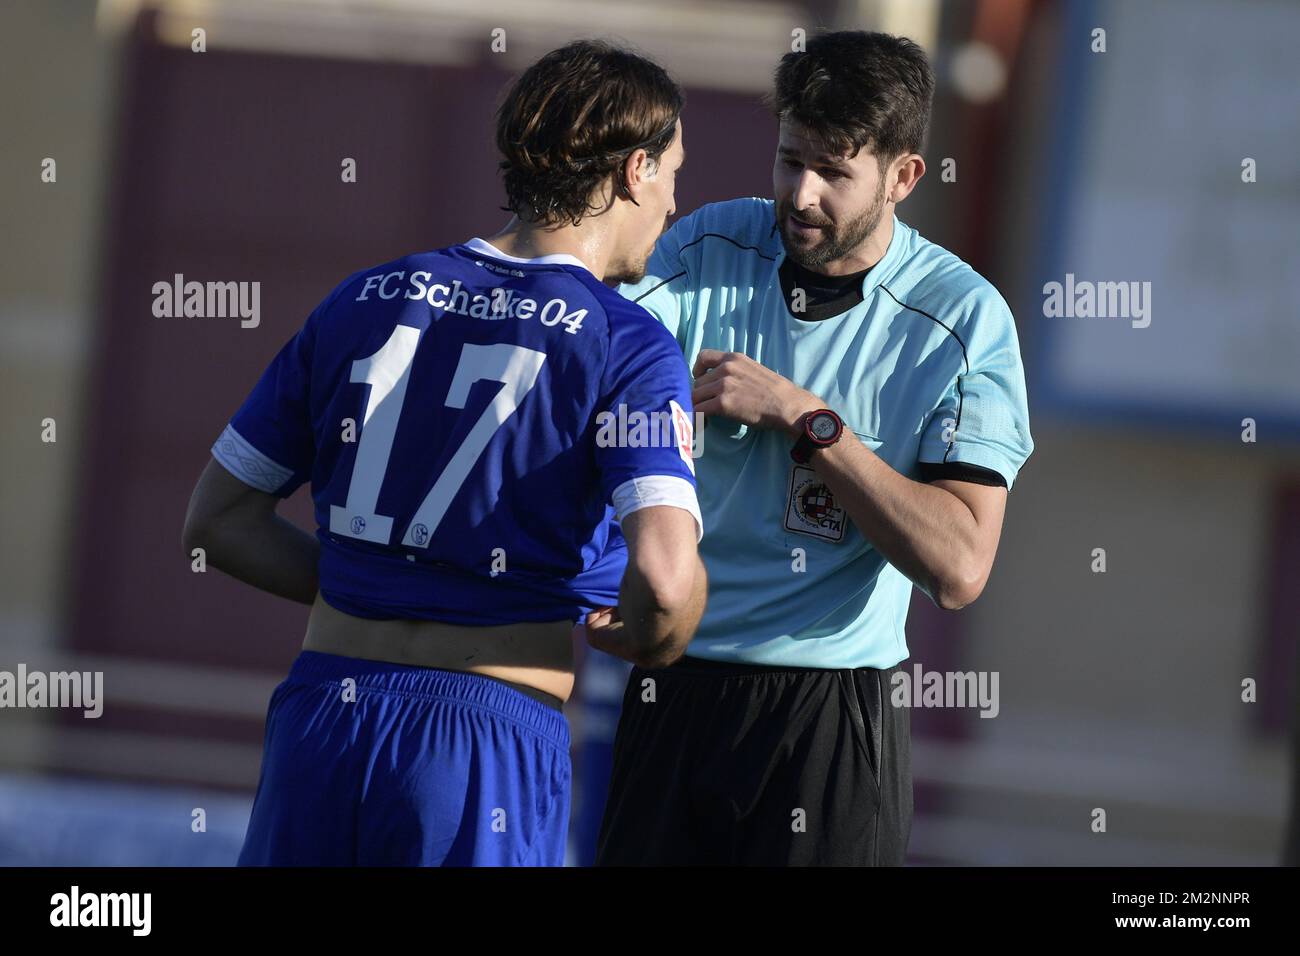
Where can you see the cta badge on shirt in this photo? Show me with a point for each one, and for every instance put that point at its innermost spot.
(811, 508)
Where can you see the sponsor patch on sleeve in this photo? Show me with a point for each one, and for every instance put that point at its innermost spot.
(684, 432)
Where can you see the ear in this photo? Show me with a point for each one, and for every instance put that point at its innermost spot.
(639, 167)
(908, 171)
(636, 169)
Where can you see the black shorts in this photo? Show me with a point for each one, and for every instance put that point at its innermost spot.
(725, 764)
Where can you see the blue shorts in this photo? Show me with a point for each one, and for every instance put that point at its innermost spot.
(424, 767)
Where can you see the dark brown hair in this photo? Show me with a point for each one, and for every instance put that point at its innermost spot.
(853, 89)
(572, 118)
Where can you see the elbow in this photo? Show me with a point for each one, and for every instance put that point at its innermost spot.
(960, 589)
(950, 601)
(673, 592)
(669, 589)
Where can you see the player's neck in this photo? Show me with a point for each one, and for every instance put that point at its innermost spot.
(526, 240)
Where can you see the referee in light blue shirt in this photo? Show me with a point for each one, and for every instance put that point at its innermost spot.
(867, 418)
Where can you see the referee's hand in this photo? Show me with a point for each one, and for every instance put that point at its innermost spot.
(733, 385)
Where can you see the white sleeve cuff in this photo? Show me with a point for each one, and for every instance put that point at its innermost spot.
(648, 490)
(248, 464)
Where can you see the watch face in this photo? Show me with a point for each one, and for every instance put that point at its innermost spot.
(823, 426)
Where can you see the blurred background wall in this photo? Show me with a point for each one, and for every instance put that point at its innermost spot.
(1119, 690)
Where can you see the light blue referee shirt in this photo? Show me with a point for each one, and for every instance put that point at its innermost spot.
(925, 370)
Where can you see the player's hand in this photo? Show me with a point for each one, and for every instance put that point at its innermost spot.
(605, 632)
(603, 623)
(734, 385)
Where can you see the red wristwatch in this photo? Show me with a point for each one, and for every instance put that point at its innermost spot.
(821, 429)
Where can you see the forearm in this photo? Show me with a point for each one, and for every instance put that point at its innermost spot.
(266, 551)
(666, 629)
(925, 532)
(654, 633)
(928, 533)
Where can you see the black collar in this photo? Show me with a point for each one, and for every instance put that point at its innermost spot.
(823, 296)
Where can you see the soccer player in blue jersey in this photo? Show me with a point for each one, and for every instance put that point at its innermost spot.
(866, 419)
(472, 420)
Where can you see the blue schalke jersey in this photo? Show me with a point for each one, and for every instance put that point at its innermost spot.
(472, 425)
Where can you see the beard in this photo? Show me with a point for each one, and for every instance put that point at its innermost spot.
(837, 240)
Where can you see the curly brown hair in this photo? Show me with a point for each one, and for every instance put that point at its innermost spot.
(572, 118)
